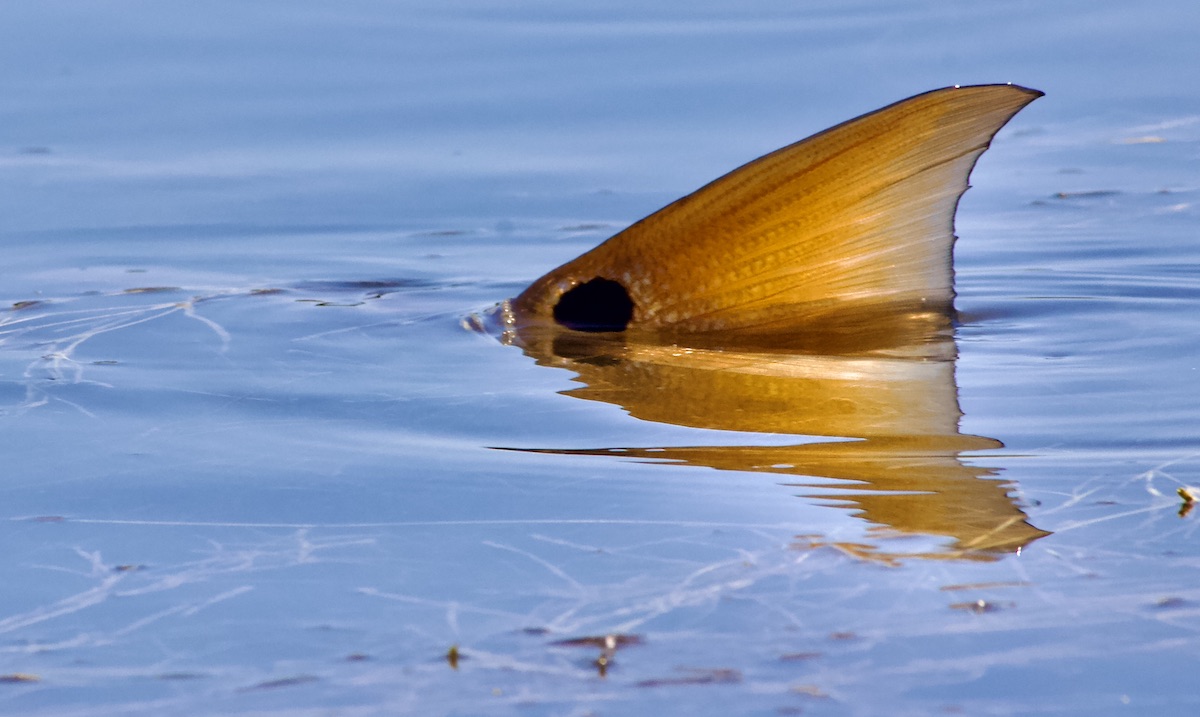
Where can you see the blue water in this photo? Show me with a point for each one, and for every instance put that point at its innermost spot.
(251, 458)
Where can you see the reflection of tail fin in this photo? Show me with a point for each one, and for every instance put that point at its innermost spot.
(921, 485)
(905, 485)
(908, 472)
(858, 216)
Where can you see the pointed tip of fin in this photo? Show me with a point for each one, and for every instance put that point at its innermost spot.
(857, 219)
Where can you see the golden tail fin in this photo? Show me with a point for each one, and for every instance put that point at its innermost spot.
(857, 220)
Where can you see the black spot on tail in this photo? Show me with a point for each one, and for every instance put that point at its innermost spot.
(598, 305)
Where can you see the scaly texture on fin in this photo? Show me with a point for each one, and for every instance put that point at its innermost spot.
(856, 221)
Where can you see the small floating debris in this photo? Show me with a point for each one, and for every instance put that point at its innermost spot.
(1094, 194)
(14, 678)
(453, 656)
(282, 682)
(1189, 496)
(181, 676)
(697, 676)
(810, 691)
(859, 551)
(986, 586)
(1170, 603)
(979, 607)
(32, 303)
(364, 285)
(152, 290)
(606, 642)
(608, 645)
(1148, 139)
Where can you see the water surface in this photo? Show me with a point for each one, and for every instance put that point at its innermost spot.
(255, 464)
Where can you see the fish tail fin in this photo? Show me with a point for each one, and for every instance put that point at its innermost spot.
(855, 220)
